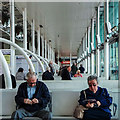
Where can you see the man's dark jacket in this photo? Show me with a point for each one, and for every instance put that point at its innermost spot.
(65, 74)
(41, 93)
(47, 76)
(74, 69)
(82, 69)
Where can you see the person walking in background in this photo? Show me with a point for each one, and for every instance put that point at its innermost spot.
(66, 73)
(81, 68)
(97, 100)
(20, 74)
(74, 69)
(32, 99)
(51, 67)
(47, 75)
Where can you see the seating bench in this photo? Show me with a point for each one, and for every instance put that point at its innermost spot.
(72, 118)
(53, 118)
(63, 104)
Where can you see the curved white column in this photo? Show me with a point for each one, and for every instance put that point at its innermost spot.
(38, 40)
(43, 59)
(25, 28)
(42, 38)
(45, 48)
(8, 82)
(20, 50)
(46, 60)
(48, 52)
(35, 56)
(12, 34)
(33, 36)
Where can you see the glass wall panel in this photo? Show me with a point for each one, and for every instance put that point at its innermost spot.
(102, 25)
(102, 63)
(114, 20)
(113, 13)
(95, 46)
(90, 40)
(94, 35)
(95, 62)
(114, 61)
(116, 17)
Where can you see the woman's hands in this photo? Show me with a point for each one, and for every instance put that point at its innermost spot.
(91, 105)
(98, 103)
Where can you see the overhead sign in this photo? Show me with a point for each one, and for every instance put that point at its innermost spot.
(65, 62)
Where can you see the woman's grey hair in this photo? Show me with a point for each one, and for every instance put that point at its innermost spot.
(92, 77)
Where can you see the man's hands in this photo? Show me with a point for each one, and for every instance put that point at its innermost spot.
(91, 105)
(30, 102)
(27, 101)
(35, 101)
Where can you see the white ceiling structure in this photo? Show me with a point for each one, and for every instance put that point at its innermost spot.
(64, 23)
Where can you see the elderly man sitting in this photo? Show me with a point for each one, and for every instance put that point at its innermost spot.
(32, 98)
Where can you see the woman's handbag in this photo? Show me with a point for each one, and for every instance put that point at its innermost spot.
(79, 110)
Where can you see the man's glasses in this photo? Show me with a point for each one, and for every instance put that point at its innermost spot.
(90, 85)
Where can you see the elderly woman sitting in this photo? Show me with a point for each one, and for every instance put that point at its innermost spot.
(78, 74)
(97, 101)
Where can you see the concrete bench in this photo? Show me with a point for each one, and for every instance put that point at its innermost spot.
(8, 105)
(64, 99)
(72, 118)
(64, 103)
